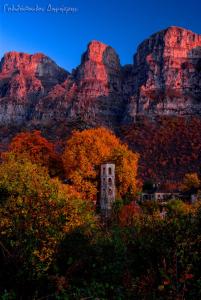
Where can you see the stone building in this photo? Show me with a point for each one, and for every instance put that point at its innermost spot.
(107, 188)
(159, 196)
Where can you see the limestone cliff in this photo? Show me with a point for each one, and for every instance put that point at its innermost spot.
(91, 96)
(167, 74)
(25, 78)
(165, 79)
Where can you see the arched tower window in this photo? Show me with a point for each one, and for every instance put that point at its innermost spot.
(110, 171)
(110, 181)
(110, 192)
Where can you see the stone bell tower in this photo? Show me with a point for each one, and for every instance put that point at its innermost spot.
(107, 192)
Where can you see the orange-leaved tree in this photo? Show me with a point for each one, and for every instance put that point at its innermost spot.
(38, 149)
(84, 153)
(191, 183)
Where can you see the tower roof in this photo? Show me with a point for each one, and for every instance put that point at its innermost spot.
(108, 163)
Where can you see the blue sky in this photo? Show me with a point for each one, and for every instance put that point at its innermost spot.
(122, 24)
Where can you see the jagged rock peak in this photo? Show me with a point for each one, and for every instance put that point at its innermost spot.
(18, 60)
(100, 53)
(24, 79)
(95, 51)
(167, 74)
(174, 30)
(172, 36)
(37, 64)
(165, 79)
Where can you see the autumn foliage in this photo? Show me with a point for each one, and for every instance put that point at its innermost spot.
(191, 183)
(84, 153)
(54, 245)
(38, 149)
(129, 213)
(36, 213)
(169, 147)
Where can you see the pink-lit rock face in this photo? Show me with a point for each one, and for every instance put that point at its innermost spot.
(24, 78)
(95, 52)
(92, 95)
(26, 63)
(167, 74)
(100, 70)
(99, 98)
(165, 79)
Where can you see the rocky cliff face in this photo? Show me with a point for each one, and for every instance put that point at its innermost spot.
(91, 96)
(24, 79)
(165, 79)
(99, 98)
(167, 74)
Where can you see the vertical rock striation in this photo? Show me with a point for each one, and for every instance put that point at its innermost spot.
(91, 96)
(165, 79)
(25, 78)
(167, 74)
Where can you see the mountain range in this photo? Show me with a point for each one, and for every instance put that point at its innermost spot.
(164, 80)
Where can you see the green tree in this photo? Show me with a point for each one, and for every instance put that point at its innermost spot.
(177, 208)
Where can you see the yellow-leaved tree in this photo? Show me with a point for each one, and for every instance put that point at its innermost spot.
(84, 153)
(36, 213)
